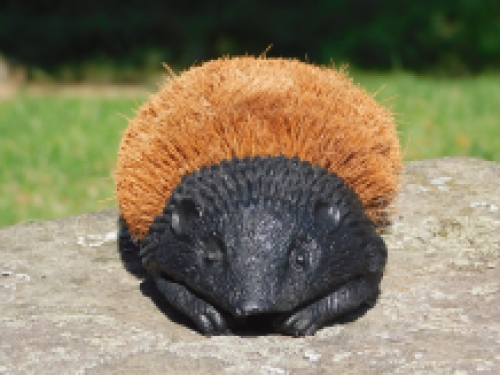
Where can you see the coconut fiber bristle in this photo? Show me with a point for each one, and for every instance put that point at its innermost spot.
(246, 106)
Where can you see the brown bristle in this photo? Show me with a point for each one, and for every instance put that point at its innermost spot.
(246, 106)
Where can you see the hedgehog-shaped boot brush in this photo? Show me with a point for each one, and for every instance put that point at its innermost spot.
(256, 188)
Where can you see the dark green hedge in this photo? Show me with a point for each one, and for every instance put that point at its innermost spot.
(460, 35)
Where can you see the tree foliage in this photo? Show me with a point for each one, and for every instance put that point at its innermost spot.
(457, 35)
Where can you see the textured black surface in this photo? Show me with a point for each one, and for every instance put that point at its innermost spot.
(270, 237)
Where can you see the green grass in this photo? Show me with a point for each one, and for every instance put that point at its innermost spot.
(57, 154)
(442, 116)
(57, 151)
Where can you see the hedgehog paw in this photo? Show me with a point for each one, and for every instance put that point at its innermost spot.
(300, 324)
(210, 321)
(206, 317)
(344, 300)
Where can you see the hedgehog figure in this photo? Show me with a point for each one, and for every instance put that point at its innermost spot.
(257, 188)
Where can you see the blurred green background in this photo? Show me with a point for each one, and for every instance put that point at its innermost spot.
(72, 72)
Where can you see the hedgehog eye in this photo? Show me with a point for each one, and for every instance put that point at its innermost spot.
(184, 214)
(299, 255)
(327, 215)
(213, 249)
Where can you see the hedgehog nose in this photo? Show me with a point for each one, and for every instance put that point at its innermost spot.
(247, 308)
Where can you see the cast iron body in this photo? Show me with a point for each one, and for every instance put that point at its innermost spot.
(273, 237)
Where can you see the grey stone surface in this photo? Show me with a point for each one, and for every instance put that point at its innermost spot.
(68, 306)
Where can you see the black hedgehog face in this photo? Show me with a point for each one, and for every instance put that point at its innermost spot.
(262, 235)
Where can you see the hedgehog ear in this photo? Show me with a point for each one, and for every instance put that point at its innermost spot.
(184, 213)
(327, 215)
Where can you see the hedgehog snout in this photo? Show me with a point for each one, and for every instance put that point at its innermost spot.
(247, 308)
(250, 307)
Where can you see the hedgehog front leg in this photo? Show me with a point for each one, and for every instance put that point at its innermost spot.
(208, 319)
(346, 299)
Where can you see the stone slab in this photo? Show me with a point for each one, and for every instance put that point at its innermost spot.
(68, 306)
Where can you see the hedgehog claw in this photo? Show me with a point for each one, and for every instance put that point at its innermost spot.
(210, 322)
(300, 324)
(346, 299)
(206, 317)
